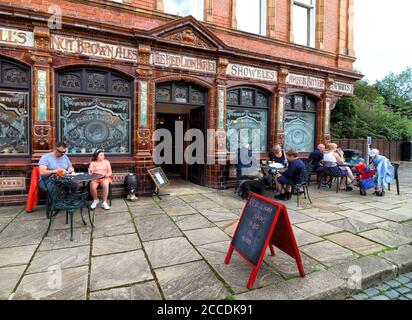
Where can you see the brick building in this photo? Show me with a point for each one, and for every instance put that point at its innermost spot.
(106, 74)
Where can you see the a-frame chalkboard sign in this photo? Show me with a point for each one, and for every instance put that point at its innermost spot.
(263, 223)
(159, 178)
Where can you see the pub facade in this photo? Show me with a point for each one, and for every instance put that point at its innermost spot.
(106, 74)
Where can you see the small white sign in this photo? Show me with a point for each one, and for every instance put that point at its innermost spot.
(342, 87)
(16, 37)
(159, 178)
(305, 81)
(241, 71)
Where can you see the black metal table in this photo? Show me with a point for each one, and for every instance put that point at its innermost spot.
(83, 177)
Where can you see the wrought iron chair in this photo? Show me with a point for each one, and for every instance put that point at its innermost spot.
(332, 170)
(62, 197)
(302, 185)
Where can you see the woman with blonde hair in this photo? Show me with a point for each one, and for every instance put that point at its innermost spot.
(334, 156)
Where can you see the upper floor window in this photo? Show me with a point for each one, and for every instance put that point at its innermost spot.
(251, 16)
(304, 22)
(185, 8)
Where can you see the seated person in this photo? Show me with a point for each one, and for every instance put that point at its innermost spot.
(334, 156)
(317, 156)
(247, 164)
(52, 162)
(291, 176)
(385, 172)
(101, 166)
(277, 155)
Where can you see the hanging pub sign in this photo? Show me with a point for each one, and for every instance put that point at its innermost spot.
(93, 48)
(241, 71)
(164, 59)
(263, 223)
(305, 81)
(16, 37)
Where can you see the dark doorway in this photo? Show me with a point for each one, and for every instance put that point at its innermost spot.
(182, 102)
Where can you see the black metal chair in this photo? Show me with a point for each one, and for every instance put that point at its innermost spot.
(331, 170)
(304, 180)
(396, 167)
(62, 197)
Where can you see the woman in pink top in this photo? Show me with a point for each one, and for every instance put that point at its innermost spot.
(101, 166)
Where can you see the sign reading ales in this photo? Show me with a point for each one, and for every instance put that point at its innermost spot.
(16, 37)
(93, 48)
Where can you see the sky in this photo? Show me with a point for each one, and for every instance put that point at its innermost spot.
(383, 37)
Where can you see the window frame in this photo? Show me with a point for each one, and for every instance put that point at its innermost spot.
(263, 19)
(202, 2)
(311, 25)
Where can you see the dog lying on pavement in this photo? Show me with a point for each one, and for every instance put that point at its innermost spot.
(257, 186)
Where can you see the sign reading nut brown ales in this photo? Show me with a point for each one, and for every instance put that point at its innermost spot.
(93, 48)
(164, 59)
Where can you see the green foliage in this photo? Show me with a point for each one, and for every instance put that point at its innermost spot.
(365, 115)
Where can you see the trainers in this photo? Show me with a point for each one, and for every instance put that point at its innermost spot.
(94, 204)
(105, 206)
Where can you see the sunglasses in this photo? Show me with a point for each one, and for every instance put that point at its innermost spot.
(61, 152)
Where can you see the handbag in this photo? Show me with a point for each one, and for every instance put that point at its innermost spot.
(367, 184)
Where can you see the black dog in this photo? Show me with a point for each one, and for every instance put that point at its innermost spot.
(257, 186)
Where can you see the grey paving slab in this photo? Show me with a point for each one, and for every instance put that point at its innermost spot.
(287, 267)
(146, 210)
(298, 217)
(202, 205)
(4, 221)
(405, 211)
(207, 235)
(16, 256)
(352, 225)
(194, 198)
(361, 216)
(108, 225)
(321, 215)
(328, 253)
(156, 227)
(228, 227)
(218, 214)
(387, 215)
(371, 270)
(9, 277)
(355, 243)
(179, 210)
(122, 243)
(142, 201)
(356, 206)
(170, 201)
(38, 213)
(386, 238)
(68, 284)
(328, 205)
(59, 222)
(237, 272)
(142, 291)
(404, 230)
(318, 228)
(10, 211)
(192, 221)
(60, 239)
(402, 258)
(118, 270)
(382, 205)
(62, 258)
(315, 286)
(167, 252)
(23, 233)
(229, 202)
(303, 237)
(118, 205)
(189, 281)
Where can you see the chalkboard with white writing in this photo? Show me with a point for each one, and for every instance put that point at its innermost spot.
(254, 227)
(158, 177)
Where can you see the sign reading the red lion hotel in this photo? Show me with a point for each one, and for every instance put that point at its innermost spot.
(164, 59)
(93, 48)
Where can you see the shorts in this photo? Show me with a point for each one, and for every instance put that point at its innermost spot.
(99, 181)
(285, 180)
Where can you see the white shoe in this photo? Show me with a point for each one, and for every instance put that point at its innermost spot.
(105, 206)
(94, 204)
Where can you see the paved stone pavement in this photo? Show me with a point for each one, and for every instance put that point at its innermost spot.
(174, 248)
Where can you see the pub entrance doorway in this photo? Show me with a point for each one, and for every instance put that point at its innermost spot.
(182, 105)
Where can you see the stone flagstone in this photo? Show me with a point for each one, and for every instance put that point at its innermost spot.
(218, 214)
(191, 281)
(388, 215)
(142, 291)
(194, 198)
(9, 276)
(179, 210)
(328, 253)
(321, 215)
(169, 252)
(192, 221)
(361, 216)
(386, 238)
(60, 239)
(355, 243)
(156, 227)
(229, 227)
(356, 206)
(404, 230)
(205, 205)
(10, 211)
(298, 217)
(352, 225)
(10, 257)
(108, 245)
(207, 235)
(146, 210)
(108, 225)
(303, 237)
(23, 233)
(69, 284)
(142, 201)
(62, 258)
(402, 258)
(319, 228)
(118, 270)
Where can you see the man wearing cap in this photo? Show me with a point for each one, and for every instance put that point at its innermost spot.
(290, 177)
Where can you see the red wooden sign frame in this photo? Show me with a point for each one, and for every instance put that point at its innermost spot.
(280, 234)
